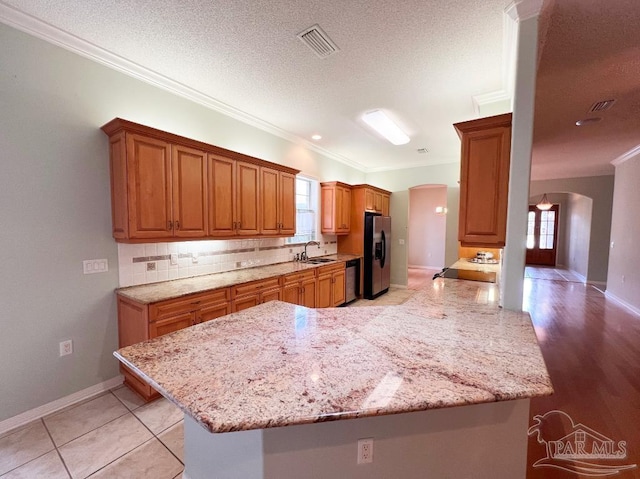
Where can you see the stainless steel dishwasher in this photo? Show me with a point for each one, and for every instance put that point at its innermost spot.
(352, 273)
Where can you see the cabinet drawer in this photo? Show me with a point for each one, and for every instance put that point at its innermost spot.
(213, 297)
(300, 276)
(255, 287)
(173, 307)
(330, 268)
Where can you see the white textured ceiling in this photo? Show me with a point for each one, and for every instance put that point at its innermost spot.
(420, 60)
(589, 52)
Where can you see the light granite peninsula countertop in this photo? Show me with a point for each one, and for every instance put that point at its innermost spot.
(278, 364)
(154, 292)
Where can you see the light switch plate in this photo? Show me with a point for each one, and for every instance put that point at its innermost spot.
(91, 266)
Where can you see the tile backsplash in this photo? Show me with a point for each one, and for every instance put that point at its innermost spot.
(152, 262)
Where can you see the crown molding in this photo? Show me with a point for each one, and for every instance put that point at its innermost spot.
(37, 28)
(406, 166)
(521, 10)
(632, 153)
(488, 98)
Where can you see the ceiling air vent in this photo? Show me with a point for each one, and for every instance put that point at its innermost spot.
(316, 39)
(601, 105)
(422, 151)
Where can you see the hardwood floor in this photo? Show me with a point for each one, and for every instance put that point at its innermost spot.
(592, 350)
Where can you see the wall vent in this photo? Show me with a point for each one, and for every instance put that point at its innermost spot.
(601, 105)
(316, 39)
(422, 151)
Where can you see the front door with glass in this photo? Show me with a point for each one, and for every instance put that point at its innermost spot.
(542, 236)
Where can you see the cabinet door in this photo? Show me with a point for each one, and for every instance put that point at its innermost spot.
(247, 199)
(149, 185)
(222, 196)
(385, 205)
(245, 302)
(343, 206)
(269, 195)
(171, 324)
(308, 295)
(325, 286)
(287, 204)
(189, 171)
(328, 209)
(338, 289)
(377, 201)
(369, 200)
(484, 183)
(291, 293)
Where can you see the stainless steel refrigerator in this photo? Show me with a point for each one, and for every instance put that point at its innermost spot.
(377, 254)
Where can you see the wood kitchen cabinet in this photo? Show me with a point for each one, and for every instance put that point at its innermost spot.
(138, 322)
(300, 288)
(336, 208)
(278, 197)
(375, 199)
(157, 189)
(251, 294)
(166, 187)
(484, 180)
(331, 285)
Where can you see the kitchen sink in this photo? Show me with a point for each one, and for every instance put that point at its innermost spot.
(319, 260)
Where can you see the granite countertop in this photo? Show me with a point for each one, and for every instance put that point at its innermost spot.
(464, 263)
(279, 364)
(154, 292)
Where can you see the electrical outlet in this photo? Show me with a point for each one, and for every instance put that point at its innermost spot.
(365, 451)
(66, 347)
(151, 266)
(174, 259)
(91, 266)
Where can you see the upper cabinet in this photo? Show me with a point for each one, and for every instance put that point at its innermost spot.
(165, 188)
(375, 199)
(278, 202)
(484, 180)
(336, 208)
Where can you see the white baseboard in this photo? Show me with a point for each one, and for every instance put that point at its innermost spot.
(58, 404)
(413, 266)
(622, 303)
(582, 278)
(399, 286)
(599, 284)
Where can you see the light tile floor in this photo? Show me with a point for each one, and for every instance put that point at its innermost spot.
(116, 435)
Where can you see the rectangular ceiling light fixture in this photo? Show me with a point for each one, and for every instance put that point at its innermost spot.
(380, 122)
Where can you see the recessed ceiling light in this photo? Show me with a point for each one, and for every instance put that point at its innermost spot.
(380, 122)
(586, 121)
(316, 137)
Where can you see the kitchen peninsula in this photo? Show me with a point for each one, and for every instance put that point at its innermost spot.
(441, 384)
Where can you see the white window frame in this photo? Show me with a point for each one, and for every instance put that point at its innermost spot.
(311, 207)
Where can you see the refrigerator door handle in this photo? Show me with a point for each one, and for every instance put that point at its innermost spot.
(383, 257)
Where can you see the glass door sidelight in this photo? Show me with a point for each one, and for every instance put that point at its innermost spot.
(542, 236)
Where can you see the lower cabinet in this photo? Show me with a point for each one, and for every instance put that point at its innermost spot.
(248, 295)
(331, 286)
(300, 288)
(138, 322)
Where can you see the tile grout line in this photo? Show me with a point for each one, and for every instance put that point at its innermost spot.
(64, 464)
(160, 432)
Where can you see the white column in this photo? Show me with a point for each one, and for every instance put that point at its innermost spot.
(525, 14)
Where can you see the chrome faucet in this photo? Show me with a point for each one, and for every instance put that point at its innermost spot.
(305, 248)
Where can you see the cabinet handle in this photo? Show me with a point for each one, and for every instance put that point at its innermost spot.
(239, 224)
(170, 225)
(177, 225)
